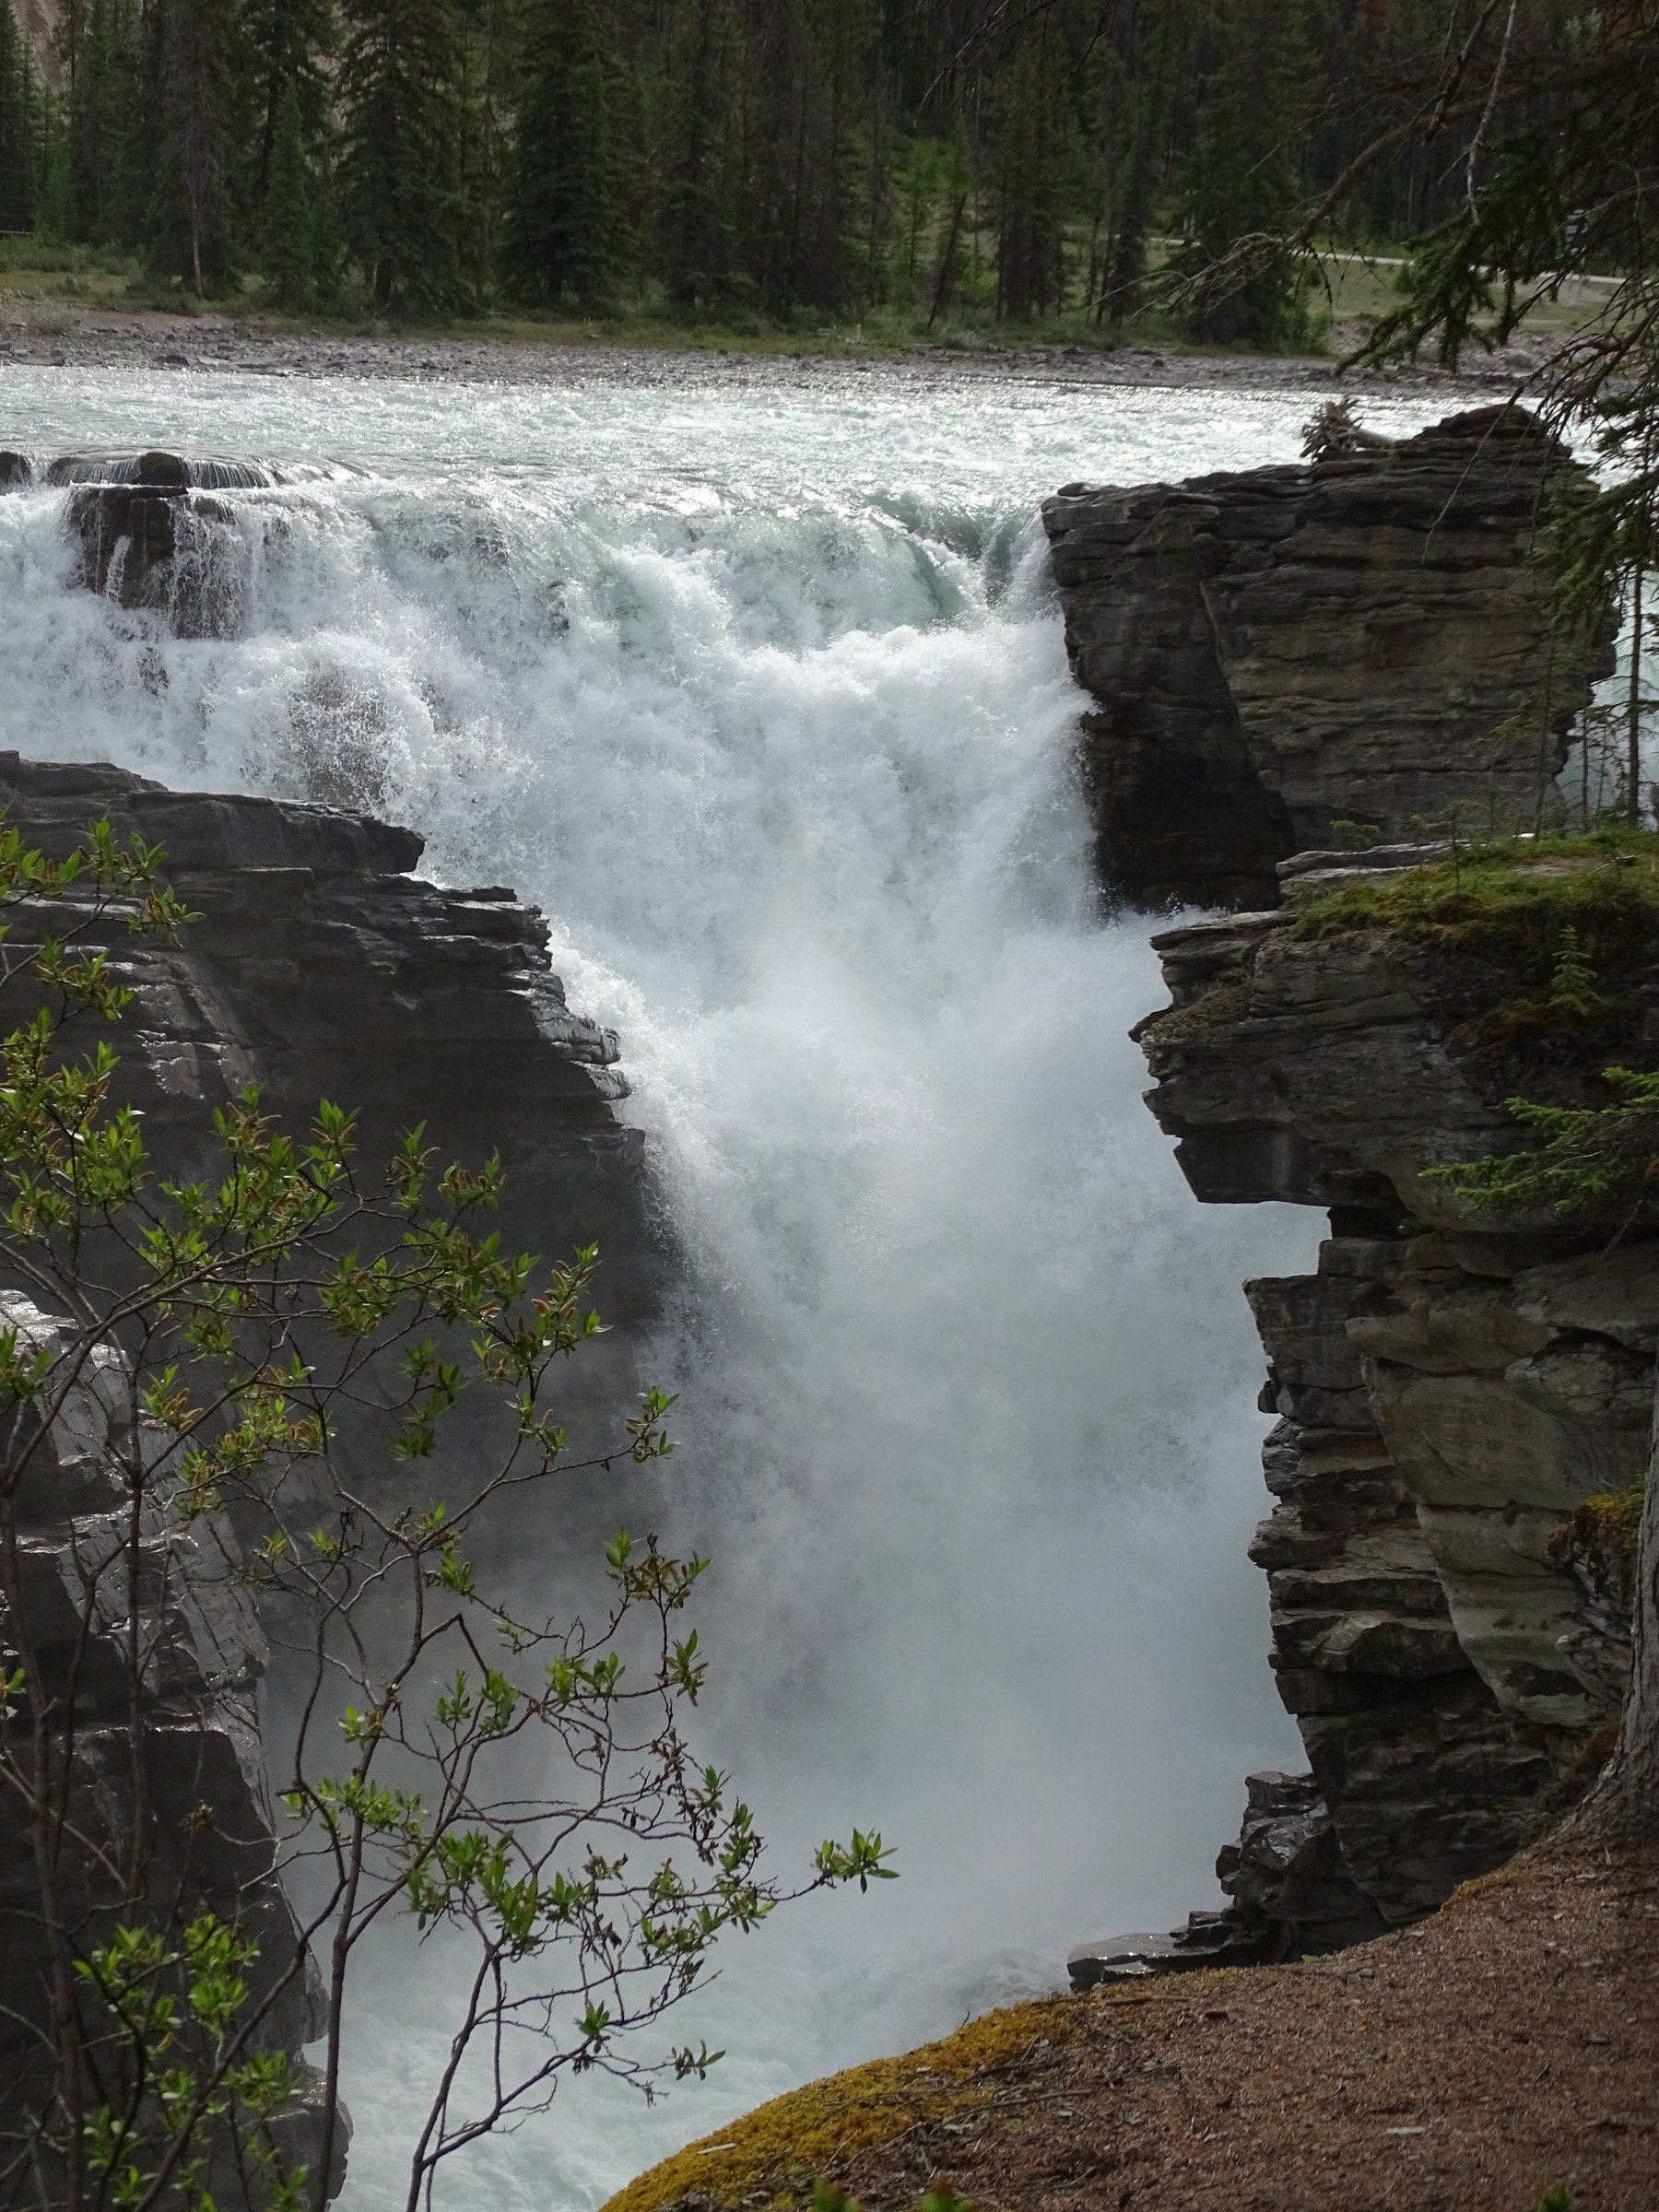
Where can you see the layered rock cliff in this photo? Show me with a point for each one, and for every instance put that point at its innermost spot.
(320, 965)
(1360, 639)
(101, 1626)
(1464, 1397)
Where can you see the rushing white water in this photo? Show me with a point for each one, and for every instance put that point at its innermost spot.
(762, 695)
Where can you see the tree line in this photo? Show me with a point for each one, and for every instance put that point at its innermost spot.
(774, 158)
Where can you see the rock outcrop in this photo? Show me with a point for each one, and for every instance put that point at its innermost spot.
(1289, 1891)
(178, 1637)
(1358, 639)
(320, 965)
(153, 534)
(1459, 1395)
(153, 531)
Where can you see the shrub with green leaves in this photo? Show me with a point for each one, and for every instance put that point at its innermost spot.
(515, 1784)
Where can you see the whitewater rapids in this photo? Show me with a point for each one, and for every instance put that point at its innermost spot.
(764, 699)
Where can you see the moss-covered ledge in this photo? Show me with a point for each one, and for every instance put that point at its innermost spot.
(776, 2154)
(1507, 900)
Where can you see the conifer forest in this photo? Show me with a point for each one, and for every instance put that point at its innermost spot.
(767, 162)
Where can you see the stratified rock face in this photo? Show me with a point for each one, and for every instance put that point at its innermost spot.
(1448, 1396)
(159, 1631)
(1360, 639)
(319, 967)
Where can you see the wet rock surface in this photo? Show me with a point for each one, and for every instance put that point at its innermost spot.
(1357, 638)
(1450, 1620)
(150, 536)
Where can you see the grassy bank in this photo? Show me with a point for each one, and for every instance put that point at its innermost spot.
(1509, 899)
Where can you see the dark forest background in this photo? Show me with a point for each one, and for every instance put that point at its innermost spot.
(755, 162)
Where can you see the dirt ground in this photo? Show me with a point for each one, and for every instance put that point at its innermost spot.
(1478, 2062)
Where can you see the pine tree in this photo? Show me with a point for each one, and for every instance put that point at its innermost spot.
(840, 209)
(103, 100)
(287, 255)
(953, 245)
(290, 43)
(327, 240)
(193, 217)
(399, 175)
(565, 220)
(1144, 86)
(814, 79)
(701, 154)
(1033, 147)
(47, 152)
(1247, 167)
(17, 165)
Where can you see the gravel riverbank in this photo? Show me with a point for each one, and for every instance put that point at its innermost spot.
(53, 333)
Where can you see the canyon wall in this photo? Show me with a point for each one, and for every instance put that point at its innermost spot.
(166, 1627)
(1464, 1397)
(320, 965)
(1361, 642)
(1358, 639)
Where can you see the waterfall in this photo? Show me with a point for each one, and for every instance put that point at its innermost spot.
(762, 695)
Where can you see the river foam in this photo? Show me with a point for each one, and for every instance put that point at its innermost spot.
(765, 701)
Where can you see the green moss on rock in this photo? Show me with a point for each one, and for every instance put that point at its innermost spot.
(1610, 1522)
(1512, 903)
(775, 2154)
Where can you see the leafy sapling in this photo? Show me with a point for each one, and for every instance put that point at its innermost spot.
(187, 1358)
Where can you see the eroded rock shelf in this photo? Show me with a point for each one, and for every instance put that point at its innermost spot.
(1451, 1390)
(1359, 638)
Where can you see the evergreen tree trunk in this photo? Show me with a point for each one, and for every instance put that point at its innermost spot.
(944, 289)
(16, 194)
(1634, 736)
(565, 226)
(287, 255)
(1248, 181)
(290, 43)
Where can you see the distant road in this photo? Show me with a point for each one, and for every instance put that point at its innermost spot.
(1397, 261)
